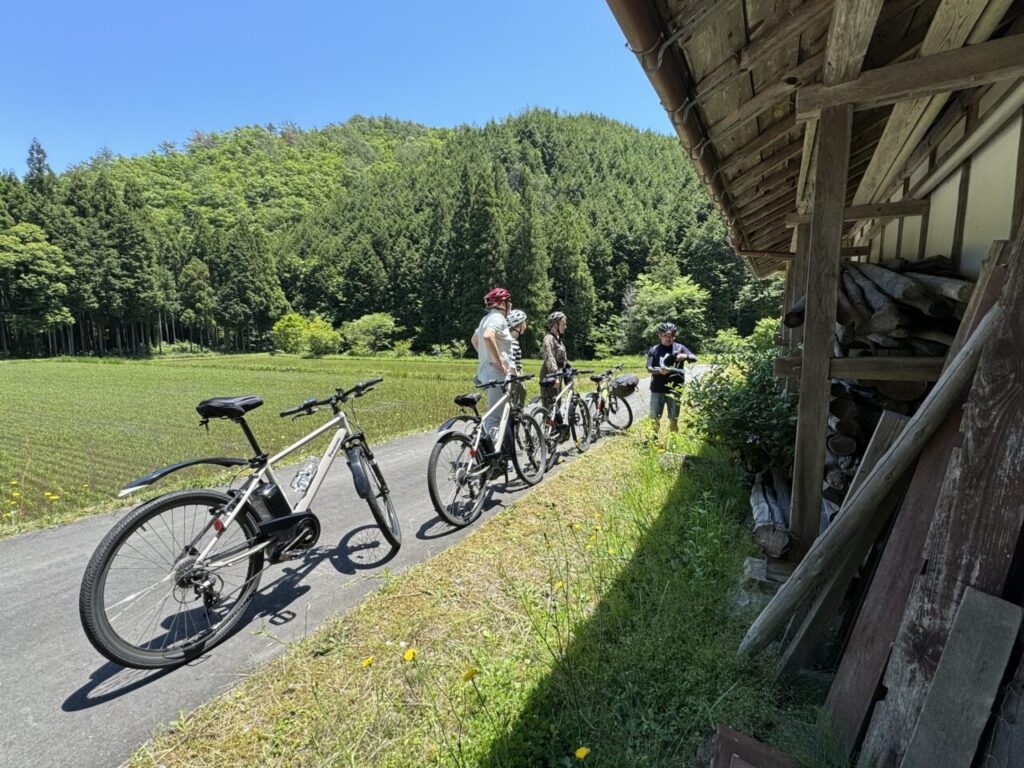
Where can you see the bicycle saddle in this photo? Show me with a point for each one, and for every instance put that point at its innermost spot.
(468, 401)
(228, 407)
(596, 378)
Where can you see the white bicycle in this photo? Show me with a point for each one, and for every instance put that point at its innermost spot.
(569, 416)
(173, 577)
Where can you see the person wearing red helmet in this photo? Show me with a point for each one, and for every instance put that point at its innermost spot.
(492, 341)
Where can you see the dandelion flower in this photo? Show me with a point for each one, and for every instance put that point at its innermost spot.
(15, 494)
(611, 551)
(367, 661)
(469, 674)
(13, 482)
(409, 655)
(582, 752)
(559, 584)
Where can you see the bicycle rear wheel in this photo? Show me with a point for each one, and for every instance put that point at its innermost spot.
(146, 602)
(456, 479)
(593, 403)
(579, 424)
(619, 413)
(549, 432)
(529, 454)
(379, 499)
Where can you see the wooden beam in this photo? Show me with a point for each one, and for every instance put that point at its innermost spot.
(779, 130)
(939, 73)
(870, 368)
(753, 176)
(802, 266)
(966, 682)
(774, 213)
(872, 211)
(768, 185)
(819, 327)
(768, 97)
(954, 23)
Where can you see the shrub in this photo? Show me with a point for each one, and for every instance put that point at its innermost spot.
(371, 333)
(737, 403)
(290, 334)
(453, 350)
(323, 339)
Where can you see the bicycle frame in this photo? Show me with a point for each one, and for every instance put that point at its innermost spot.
(266, 471)
(504, 402)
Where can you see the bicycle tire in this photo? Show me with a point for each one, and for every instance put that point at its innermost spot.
(579, 424)
(137, 538)
(464, 471)
(596, 416)
(619, 413)
(549, 432)
(383, 513)
(530, 463)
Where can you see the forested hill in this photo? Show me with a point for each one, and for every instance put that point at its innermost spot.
(216, 240)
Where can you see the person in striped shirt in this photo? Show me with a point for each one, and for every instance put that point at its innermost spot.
(517, 325)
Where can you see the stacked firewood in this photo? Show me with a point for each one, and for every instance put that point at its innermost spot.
(910, 308)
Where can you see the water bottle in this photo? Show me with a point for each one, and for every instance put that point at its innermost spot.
(305, 474)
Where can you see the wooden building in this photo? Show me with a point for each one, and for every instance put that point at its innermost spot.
(835, 136)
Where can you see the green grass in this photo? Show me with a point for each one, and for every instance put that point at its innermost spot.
(598, 612)
(77, 430)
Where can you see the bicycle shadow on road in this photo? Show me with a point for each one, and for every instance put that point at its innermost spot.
(108, 683)
(361, 549)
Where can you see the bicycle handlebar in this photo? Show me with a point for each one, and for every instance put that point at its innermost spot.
(308, 407)
(503, 382)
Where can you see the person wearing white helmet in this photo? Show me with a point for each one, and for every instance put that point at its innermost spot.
(552, 351)
(517, 325)
(663, 361)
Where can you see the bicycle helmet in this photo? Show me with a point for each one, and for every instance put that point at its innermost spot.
(667, 328)
(554, 317)
(516, 317)
(496, 297)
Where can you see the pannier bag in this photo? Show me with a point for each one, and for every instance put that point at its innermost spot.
(624, 386)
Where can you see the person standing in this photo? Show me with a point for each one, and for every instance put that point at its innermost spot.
(552, 350)
(517, 325)
(492, 341)
(664, 361)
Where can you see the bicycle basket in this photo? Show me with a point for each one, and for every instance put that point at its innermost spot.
(624, 386)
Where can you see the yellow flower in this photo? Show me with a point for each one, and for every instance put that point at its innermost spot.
(15, 494)
(13, 482)
(559, 584)
(611, 551)
(367, 661)
(582, 752)
(469, 674)
(409, 655)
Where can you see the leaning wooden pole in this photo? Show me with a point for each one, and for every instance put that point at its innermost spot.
(863, 502)
(819, 327)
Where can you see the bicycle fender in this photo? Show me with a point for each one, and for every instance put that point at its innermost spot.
(450, 424)
(159, 474)
(359, 478)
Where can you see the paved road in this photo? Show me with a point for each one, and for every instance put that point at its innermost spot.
(64, 705)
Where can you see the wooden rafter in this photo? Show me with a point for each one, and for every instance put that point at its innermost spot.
(759, 172)
(765, 139)
(950, 70)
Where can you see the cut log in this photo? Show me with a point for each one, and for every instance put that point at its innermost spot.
(794, 316)
(885, 315)
(841, 445)
(933, 265)
(843, 408)
(888, 342)
(903, 391)
(950, 287)
(845, 426)
(845, 335)
(854, 300)
(865, 500)
(770, 530)
(933, 306)
(936, 336)
(783, 493)
(838, 479)
(897, 285)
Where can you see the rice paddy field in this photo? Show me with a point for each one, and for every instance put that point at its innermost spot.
(75, 431)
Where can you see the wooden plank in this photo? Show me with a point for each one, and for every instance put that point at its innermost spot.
(750, 177)
(859, 212)
(871, 368)
(819, 326)
(860, 669)
(730, 745)
(951, 70)
(826, 603)
(803, 73)
(975, 526)
(1005, 745)
(779, 130)
(801, 266)
(827, 550)
(961, 694)
(952, 25)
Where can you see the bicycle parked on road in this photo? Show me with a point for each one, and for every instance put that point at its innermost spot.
(607, 404)
(173, 577)
(568, 418)
(463, 464)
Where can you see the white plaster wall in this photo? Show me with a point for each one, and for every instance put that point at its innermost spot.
(942, 216)
(911, 238)
(990, 196)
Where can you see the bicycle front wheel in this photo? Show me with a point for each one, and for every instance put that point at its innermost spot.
(530, 452)
(456, 479)
(379, 498)
(619, 413)
(147, 602)
(579, 424)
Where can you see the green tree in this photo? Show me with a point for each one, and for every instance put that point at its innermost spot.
(33, 275)
(371, 333)
(683, 303)
(323, 338)
(290, 334)
(197, 298)
(571, 280)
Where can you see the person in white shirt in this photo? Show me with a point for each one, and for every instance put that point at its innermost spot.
(492, 341)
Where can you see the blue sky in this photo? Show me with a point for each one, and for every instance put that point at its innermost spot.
(85, 75)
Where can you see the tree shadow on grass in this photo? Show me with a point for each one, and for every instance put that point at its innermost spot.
(644, 679)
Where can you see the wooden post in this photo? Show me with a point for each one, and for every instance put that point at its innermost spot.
(824, 245)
